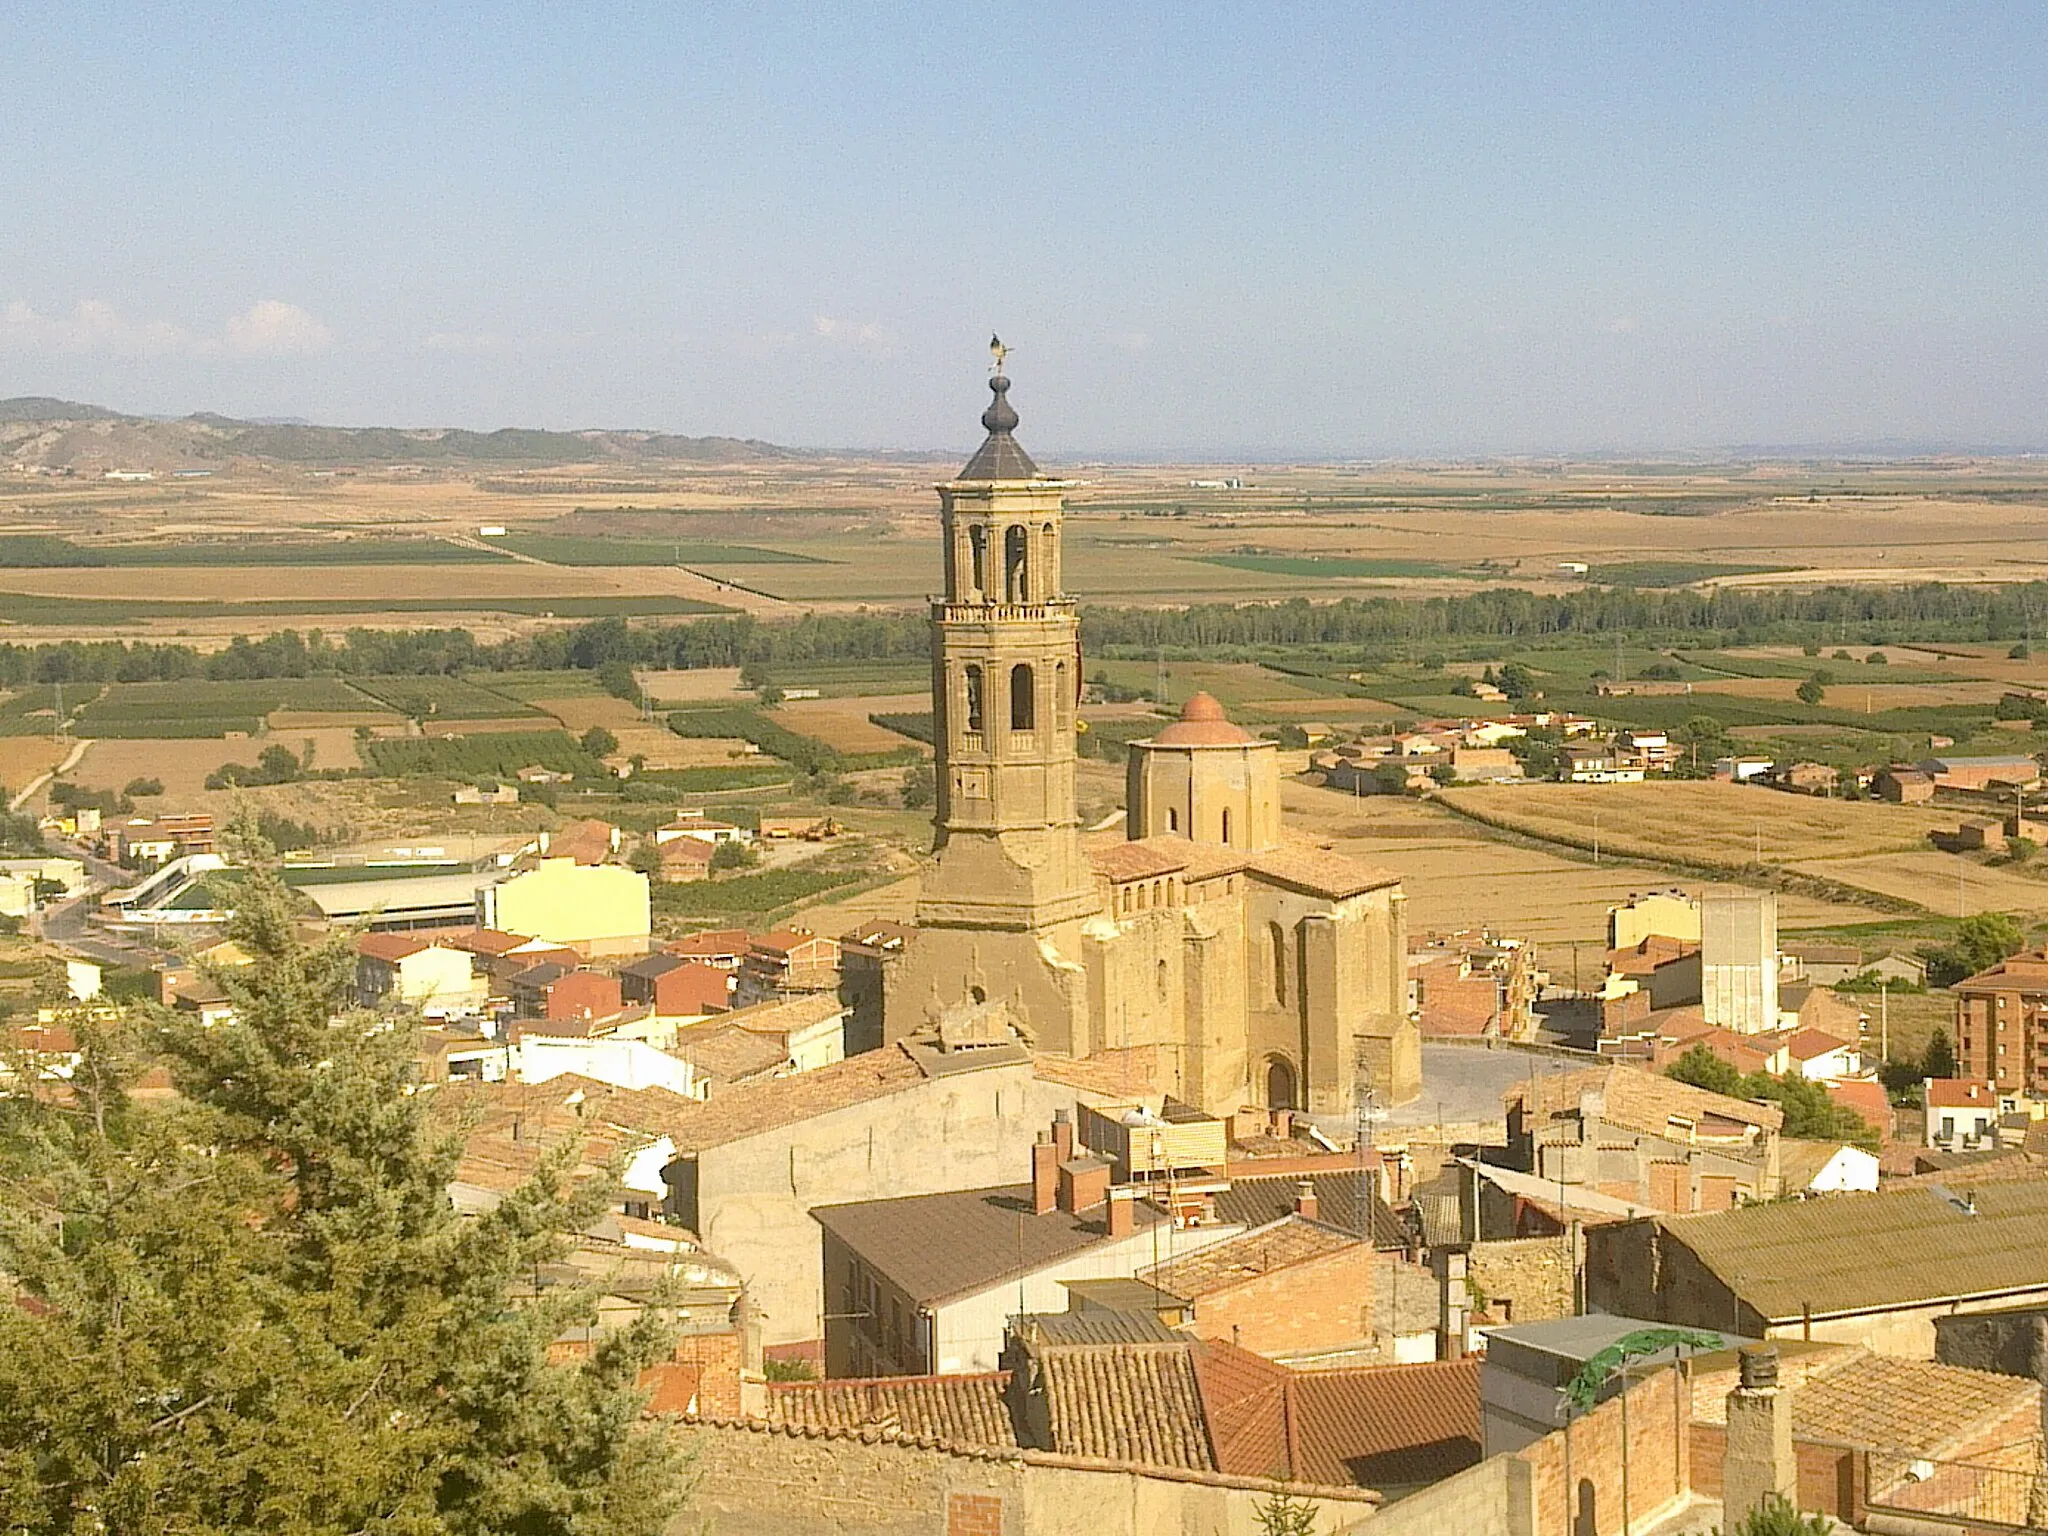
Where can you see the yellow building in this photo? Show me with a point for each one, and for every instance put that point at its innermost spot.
(1229, 961)
(599, 909)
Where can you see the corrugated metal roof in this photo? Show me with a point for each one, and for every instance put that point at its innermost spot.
(1865, 1252)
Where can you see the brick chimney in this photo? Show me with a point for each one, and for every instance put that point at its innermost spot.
(1122, 1212)
(1063, 1133)
(1084, 1184)
(1760, 1460)
(1305, 1202)
(1045, 1175)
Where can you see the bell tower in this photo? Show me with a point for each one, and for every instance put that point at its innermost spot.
(1008, 888)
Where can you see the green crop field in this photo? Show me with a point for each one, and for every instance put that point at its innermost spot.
(435, 697)
(28, 608)
(1671, 573)
(749, 895)
(44, 551)
(488, 754)
(570, 549)
(198, 707)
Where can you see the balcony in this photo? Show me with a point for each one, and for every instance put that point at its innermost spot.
(997, 613)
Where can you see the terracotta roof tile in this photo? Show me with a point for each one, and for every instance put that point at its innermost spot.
(1389, 1425)
(390, 946)
(1134, 860)
(1876, 1400)
(1126, 1402)
(1320, 872)
(962, 1410)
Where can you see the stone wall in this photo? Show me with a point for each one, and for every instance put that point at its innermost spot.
(1532, 1274)
(751, 1480)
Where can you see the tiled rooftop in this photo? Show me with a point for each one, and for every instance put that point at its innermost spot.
(1127, 1402)
(1876, 1400)
(1219, 1266)
(961, 1410)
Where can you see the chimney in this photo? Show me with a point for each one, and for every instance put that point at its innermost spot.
(1454, 1305)
(1045, 1175)
(1760, 1462)
(1305, 1202)
(1122, 1213)
(1063, 1133)
(1084, 1184)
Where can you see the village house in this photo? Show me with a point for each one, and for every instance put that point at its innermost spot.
(1869, 1269)
(697, 827)
(1963, 1113)
(721, 948)
(423, 974)
(1823, 964)
(144, 842)
(684, 858)
(1596, 764)
(1903, 786)
(599, 909)
(1826, 1168)
(1644, 1138)
(553, 991)
(1806, 778)
(788, 960)
(867, 957)
(676, 986)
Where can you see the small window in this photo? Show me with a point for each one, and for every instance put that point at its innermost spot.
(1023, 697)
(974, 700)
(1172, 820)
(1276, 940)
(1226, 827)
(1162, 978)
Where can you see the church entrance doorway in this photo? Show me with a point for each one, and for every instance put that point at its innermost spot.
(1279, 1084)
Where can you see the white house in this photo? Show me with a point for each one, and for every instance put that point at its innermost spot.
(1818, 1055)
(1826, 1168)
(619, 1061)
(695, 824)
(1962, 1115)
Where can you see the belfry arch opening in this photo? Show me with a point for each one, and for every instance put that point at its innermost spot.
(1023, 697)
(1017, 564)
(1280, 1089)
(977, 545)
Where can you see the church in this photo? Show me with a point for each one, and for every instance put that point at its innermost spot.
(1239, 963)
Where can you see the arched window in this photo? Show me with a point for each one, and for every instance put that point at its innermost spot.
(1062, 695)
(973, 699)
(977, 540)
(1172, 819)
(1226, 826)
(1048, 556)
(1017, 564)
(1276, 944)
(1163, 975)
(1279, 1083)
(1023, 697)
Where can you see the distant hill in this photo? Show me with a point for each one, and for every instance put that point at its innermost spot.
(63, 434)
(43, 408)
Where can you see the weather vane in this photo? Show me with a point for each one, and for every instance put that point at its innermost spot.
(998, 351)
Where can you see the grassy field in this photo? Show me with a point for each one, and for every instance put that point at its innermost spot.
(843, 724)
(1323, 567)
(1668, 573)
(559, 549)
(258, 616)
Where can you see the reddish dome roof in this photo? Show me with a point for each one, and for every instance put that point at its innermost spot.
(1202, 724)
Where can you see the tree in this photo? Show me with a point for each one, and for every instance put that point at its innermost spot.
(277, 765)
(1390, 779)
(646, 859)
(2020, 652)
(1516, 680)
(733, 855)
(2020, 849)
(1776, 1516)
(919, 786)
(1877, 659)
(1811, 691)
(1980, 943)
(1703, 1069)
(1940, 1058)
(143, 786)
(253, 1307)
(598, 742)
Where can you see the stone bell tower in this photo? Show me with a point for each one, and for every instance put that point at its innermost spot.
(1004, 898)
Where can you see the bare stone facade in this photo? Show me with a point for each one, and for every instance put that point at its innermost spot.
(1248, 965)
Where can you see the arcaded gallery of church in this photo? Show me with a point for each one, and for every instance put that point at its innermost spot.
(1243, 964)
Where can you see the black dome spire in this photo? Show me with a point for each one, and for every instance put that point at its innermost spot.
(1001, 457)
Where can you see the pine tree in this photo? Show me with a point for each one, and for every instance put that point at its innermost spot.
(253, 1308)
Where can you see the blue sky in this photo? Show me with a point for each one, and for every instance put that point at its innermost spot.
(1208, 230)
